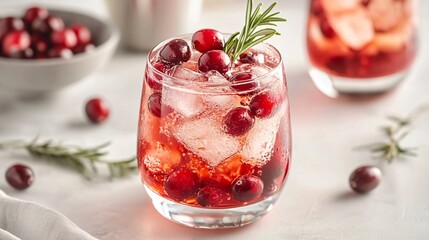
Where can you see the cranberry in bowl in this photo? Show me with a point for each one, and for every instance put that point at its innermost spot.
(43, 50)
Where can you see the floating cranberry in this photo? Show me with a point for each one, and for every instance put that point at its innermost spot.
(326, 28)
(175, 52)
(262, 105)
(365, 179)
(20, 176)
(82, 33)
(97, 110)
(214, 60)
(14, 43)
(207, 39)
(276, 166)
(247, 86)
(247, 188)
(248, 57)
(238, 121)
(210, 196)
(153, 79)
(34, 13)
(155, 105)
(273, 169)
(10, 24)
(64, 38)
(60, 52)
(182, 184)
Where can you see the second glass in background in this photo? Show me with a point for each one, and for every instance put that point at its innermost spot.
(360, 46)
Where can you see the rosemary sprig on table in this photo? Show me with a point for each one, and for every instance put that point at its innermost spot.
(83, 160)
(391, 148)
(249, 37)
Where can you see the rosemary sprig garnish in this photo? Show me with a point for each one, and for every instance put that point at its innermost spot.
(83, 160)
(391, 148)
(250, 36)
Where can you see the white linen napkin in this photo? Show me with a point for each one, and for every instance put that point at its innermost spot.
(26, 220)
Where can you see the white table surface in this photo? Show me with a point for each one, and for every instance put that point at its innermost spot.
(316, 202)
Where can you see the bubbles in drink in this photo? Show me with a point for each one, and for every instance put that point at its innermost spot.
(261, 139)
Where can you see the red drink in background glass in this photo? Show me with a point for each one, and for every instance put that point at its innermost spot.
(199, 169)
(364, 46)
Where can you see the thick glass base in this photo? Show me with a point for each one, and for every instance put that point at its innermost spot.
(333, 85)
(211, 218)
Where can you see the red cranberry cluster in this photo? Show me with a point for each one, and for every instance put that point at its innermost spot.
(39, 35)
(210, 43)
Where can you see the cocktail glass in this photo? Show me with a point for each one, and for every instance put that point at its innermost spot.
(360, 46)
(198, 168)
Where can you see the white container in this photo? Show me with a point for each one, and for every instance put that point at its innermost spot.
(145, 23)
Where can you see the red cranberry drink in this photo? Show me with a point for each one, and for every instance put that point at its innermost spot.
(214, 138)
(363, 45)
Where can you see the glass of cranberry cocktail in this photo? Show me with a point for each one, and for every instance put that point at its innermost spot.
(214, 141)
(361, 46)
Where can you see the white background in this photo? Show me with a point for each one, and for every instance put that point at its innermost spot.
(316, 202)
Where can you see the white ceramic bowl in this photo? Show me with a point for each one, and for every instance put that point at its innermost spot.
(50, 75)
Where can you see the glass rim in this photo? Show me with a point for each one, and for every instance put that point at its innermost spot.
(183, 83)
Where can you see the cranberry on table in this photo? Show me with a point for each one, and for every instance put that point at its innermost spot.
(64, 38)
(82, 33)
(214, 60)
(15, 42)
(20, 176)
(246, 188)
(34, 13)
(262, 105)
(238, 121)
(210, 196)
(175, 52)
(182, 184)
(97, 110)
(207, 39)
(237, 80)
(364, 179)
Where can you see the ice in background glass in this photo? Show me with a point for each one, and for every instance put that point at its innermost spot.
(198, 169)
(361, 46)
